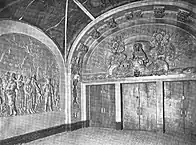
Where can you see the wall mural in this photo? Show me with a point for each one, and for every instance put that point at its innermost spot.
(29, 76)
(143, 50)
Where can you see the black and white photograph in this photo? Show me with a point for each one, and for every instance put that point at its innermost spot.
(97, 72)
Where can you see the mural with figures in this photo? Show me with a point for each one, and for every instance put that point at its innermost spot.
(29, 76)
(142, 50)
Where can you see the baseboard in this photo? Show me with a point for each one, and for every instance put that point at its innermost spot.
(44, 133)
(119, 125)
(78, 125)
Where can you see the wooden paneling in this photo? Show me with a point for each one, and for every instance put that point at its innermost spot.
(130, 96)
(148, 106)
(180, 107)
(102, 106)
(190, 106)
(95, 106)
(173, 94)
(139, 106)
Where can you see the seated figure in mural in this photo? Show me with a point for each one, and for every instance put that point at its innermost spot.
(48, 95)
(139, 60)
(11, 94)
(139, 54)
(157, 65)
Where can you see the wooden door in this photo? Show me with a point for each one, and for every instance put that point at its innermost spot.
(173, 104)
(108, 106)
(148, 106)
(102, 106)
(130, 95)
(139, 106)
(95, 106)
(190, 107)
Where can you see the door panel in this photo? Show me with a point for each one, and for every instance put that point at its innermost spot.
(108, 104)
(102, 106)
(130, 93)
(148, 105)
(95, 106)
(190, 106)
(173, 95)
(139, 106)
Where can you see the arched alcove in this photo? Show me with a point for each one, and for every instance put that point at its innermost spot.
(27, 53)
(119, 47)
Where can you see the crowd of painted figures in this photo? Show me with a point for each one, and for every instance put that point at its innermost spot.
(26, 95)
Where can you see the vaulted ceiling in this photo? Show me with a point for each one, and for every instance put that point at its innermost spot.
(49, 15)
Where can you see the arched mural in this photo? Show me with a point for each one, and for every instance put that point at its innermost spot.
(142, 50)
(32, 80)
(29, 76)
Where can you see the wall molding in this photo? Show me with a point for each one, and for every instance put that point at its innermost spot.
(44, 133)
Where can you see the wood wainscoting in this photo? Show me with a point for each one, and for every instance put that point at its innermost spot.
(180, 107)
(161, 104)
(102, 105)
(139, 106)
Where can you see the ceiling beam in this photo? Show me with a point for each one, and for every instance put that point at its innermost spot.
(66, 25)
(84, 10)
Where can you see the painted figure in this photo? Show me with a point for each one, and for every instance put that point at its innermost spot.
(140, 54)
(5, 83)
(21, 93)
(28, 97)
(75, 83)
(48, 95)
(56, 93)
(36, 92)
(11, 94)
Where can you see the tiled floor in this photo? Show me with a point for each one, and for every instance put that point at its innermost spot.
(104, 136)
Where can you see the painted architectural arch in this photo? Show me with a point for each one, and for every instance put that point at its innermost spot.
(142, 50)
